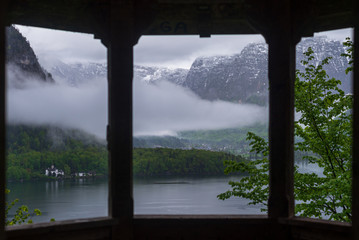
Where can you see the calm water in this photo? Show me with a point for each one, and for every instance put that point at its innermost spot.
(88, 198)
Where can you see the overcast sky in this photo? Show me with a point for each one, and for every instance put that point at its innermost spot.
(169, 51)
(158, 109)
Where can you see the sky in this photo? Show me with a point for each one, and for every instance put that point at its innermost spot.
(168, 51)
(161, 109)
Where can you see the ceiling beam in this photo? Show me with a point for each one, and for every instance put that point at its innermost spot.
(179, 17)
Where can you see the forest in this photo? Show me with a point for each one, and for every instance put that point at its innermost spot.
(32, 149)
(166, 161)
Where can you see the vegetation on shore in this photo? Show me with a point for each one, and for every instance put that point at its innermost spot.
(165, 161)
(325, 129)
(33, 149)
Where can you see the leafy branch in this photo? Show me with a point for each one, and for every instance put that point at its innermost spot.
(324, 128)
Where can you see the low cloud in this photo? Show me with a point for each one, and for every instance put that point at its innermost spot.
(83, 108)
(161, 109)
(166, 108)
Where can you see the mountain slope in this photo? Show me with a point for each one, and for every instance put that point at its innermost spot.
(244, 77)
(22, 63)
(80, 73)
(239, 78)
(235, 78)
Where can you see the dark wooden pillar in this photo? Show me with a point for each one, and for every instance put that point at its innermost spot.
(120, 73)
(2, 121)
(355, 177)
(281, 71)
(276, 21)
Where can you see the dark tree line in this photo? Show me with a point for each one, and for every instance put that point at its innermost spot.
(31, 150)
(166, 161)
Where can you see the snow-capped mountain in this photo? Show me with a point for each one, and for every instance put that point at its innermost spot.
(240, 77)
(78, 73)
(322, 48)
(244, 77)
(154, 74)
(237, 78)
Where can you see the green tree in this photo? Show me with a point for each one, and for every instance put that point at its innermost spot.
(22, 214)
(67, 170)
(325, 131)
(18, 173)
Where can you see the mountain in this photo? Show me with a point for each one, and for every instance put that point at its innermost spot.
(153, 74)
(78, 73)
(322, 48)
(244, 77)
(21, 61)
(46, 137)
(161, 142)
(239, 78)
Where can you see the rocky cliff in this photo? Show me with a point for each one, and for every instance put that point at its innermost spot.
(22, 63)
(244, 77)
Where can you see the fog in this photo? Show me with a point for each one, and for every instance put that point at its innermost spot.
(58, 104)
(160, 109)
(166, 108)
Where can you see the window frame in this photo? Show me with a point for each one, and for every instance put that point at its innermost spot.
(120, 193)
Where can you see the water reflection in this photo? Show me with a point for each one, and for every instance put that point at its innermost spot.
(187, 195)
(85, 198)
(81, 198)
(307, 167)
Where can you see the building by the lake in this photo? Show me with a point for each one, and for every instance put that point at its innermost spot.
(54, 172)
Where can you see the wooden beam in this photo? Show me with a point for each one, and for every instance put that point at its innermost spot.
(2, 120)
(183, 227)
(281, 71)
(309, 228)
(192, 18)
(89, 229)
(201, 227)
(172, 17)
(120, 74)
(277, 26)
(355, 166)
(276, 23)
(85, 16)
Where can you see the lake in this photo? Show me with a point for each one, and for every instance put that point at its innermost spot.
(84, 198)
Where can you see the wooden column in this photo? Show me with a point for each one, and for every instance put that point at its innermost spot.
(355, 176)
(281, 70)
(120, 73)
(2, 120)
(276, 21)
